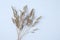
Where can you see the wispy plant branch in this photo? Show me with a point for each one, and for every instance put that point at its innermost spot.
(24, 21)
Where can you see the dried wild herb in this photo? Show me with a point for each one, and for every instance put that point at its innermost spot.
(23, 20)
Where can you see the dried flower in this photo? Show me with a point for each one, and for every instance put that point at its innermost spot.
(23, 20)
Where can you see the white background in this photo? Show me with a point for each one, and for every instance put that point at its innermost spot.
(49, 24)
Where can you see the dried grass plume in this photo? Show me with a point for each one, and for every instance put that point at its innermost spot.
(23, 20)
